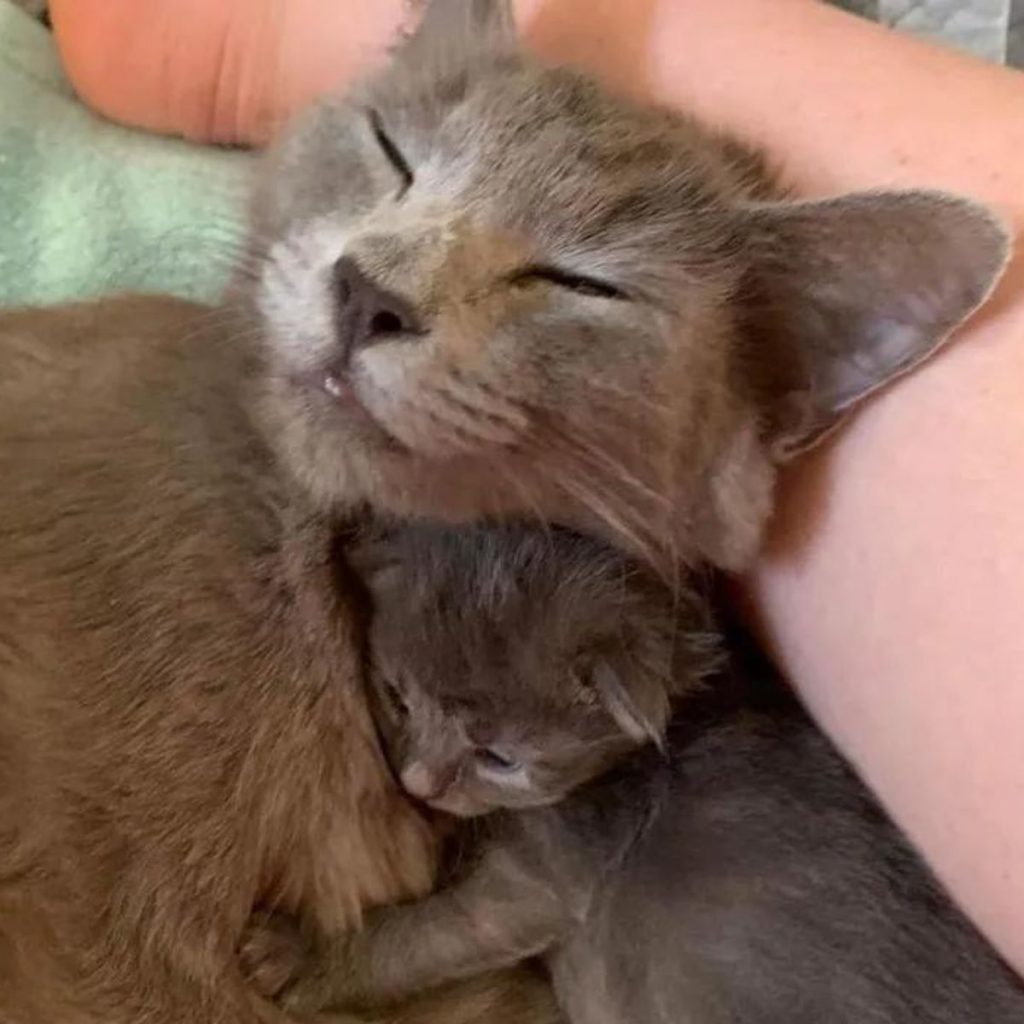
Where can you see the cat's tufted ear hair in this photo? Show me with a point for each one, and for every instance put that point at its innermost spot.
(641, 711)
(845, 294)
(450, 29)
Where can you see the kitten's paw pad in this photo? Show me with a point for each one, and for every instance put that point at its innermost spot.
(273, 953)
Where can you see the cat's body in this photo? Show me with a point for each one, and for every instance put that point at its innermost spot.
(741, 875)
(183, 729)
(183, 732)
(476, 285)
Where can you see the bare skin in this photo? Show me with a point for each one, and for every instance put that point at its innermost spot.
(893, 580)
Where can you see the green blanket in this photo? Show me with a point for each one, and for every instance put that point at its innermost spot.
(87, 207)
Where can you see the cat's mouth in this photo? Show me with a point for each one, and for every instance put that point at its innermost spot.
(338, 386)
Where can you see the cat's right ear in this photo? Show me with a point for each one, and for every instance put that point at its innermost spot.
(453, 28)
(841, 297)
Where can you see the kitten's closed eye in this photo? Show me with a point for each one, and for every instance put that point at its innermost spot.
(392, 152)
(497, 762)
(582, 284)
(394, 696)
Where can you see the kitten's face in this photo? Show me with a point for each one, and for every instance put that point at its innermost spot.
(487, 288)
(508, 666)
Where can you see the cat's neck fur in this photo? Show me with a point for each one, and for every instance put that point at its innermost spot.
(182, 723)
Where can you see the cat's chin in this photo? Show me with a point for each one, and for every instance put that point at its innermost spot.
(342, 456)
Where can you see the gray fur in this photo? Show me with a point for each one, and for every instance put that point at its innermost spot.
(182, 727)
(585, 651)
(731, 327)
(745, 875)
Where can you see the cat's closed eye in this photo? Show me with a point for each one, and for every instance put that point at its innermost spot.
(392, 152)
(581, 284)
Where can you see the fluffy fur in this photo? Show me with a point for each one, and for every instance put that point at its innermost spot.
(553, 303)
(607, 315)
(743, 875)
(507, 668)
(182, 728)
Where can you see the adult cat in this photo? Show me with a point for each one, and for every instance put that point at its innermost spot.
(489, 287)
(475, 286)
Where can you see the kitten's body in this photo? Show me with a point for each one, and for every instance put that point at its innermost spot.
(743, 875)
(763, 884)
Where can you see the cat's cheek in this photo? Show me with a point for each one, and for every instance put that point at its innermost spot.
(295, 297)
(425, 411)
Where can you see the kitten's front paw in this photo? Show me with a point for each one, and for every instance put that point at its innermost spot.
(327, 980)
(273, 953)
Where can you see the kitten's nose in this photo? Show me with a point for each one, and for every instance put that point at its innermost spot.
(368, 313)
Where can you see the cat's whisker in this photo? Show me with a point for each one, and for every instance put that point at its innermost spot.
(654, 506)
(609, 513)
(613, 489)
(631, 398)
(519, 487)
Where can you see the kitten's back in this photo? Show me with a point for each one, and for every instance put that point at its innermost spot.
(768, 887)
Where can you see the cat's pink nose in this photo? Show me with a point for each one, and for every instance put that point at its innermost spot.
(422, 782)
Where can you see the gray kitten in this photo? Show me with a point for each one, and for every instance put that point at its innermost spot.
(743, 874)
(507, 668)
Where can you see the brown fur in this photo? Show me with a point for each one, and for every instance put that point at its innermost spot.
(182, 729)
(182, 724)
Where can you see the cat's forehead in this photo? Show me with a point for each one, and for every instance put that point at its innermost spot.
(548, 152)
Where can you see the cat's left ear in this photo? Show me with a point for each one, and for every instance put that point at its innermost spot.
(641, 711)
(845, 294)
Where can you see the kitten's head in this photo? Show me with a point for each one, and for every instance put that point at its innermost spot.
(488, 287)
(507, 665)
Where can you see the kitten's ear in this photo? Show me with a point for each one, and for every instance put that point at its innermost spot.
(373, 556)
(641, 713)
(848, 293)
(456, 27)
